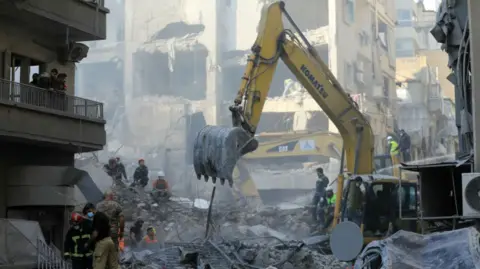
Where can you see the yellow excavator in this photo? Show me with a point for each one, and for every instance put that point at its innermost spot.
(371, 201)
(293, 150)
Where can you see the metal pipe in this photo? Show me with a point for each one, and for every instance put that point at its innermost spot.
(209, 216)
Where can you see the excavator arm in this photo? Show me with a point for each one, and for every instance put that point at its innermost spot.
(217, 149)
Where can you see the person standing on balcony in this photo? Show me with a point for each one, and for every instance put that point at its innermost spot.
(53, 73)
(34, 81)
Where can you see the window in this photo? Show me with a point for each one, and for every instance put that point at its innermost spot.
(349, 11)
(405, 18)
(408, 197)
(404, 15)
(405, 47)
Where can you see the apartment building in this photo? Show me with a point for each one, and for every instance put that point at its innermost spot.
(421, 76)
(41, 129)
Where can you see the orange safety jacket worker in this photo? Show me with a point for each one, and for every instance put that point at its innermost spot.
(149, 240)
(160, 184)
(121, 245)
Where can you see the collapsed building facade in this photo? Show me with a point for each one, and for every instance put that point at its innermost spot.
(189, 56)
(42, 129)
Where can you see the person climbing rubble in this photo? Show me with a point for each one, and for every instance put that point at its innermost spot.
(75, 241)
(136, 235)
(113, 169)
(121, 167)
(320, 186)
(113, 210)
(150, 240)
(161, 189)
(140, 177)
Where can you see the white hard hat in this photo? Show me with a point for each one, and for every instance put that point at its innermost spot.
(389, 138)
(161, 174)
(329, 188)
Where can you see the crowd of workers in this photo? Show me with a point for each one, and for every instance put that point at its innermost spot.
(116, 169)
(95, 237)
(323, 202)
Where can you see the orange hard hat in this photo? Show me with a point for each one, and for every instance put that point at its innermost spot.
(75, 217)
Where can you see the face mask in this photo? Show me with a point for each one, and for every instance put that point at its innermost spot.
(76, 227)
(90, 215)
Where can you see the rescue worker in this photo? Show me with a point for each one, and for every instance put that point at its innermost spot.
(136, 233)
(121, 167)
(150, 240)
(105, 254)
(393, 145)
(161, 190)
(140, 177)
(405, 145)
(320, 186)
(113, 210)
(74, 245)
(114, 170)
(329, 208)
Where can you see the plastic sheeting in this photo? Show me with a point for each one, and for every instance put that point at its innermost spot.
(18, 241)
(407, 250)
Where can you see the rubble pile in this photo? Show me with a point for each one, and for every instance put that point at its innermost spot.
(254, 238)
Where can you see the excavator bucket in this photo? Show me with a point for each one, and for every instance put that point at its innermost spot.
(217, 149)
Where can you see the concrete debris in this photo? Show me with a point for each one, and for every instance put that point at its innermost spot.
(240, 237)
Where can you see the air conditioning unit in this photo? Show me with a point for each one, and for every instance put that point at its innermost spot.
(470, 195)
(73, 52)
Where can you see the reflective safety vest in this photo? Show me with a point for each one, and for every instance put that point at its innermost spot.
(332, 200)
(394, 150)
(150, 241)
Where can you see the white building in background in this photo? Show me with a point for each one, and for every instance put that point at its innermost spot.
(421, 72)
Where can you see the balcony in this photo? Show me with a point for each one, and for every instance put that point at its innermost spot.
(30, 114)
(75, 20)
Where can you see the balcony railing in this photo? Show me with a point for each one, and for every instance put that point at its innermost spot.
(49, 99)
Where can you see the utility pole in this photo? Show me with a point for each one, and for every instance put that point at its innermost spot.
(474, 20)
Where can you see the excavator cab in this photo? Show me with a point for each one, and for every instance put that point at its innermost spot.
(374, 203)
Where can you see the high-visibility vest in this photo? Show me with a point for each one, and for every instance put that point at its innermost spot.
(394, 148)
(332, 200)
(150, 241)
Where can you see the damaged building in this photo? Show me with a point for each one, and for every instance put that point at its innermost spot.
(196, 53)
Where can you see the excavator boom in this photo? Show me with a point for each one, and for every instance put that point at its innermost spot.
(217, 149)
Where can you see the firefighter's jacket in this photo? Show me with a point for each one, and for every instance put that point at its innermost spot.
(75, 241)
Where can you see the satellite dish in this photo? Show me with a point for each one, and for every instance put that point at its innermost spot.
(346, 241)
(472, 193)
